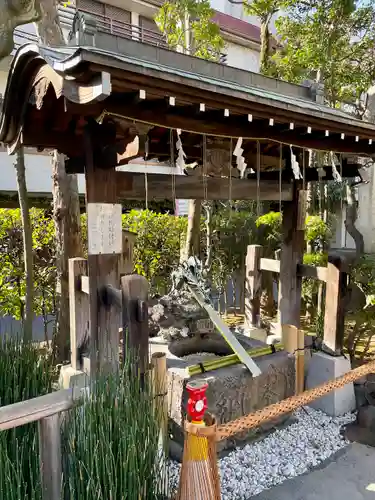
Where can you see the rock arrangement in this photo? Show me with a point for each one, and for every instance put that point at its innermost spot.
(174, 316)
(311, 439)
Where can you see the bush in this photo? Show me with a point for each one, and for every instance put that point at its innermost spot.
(157, 248)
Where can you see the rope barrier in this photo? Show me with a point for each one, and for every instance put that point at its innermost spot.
(288, 405)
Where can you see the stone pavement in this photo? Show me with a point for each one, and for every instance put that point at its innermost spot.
(350, 475)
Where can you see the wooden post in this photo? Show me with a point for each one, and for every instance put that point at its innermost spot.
(79, 309)
(159, 364)
(50, 457)
(126, 260)
(135, 318)
(253, 286)
(104, 234)
(334, 316)
(292, 249)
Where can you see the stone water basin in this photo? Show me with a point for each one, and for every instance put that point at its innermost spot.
(232, 391)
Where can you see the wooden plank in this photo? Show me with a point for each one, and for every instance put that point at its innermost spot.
(126, 264)
(34, 409)
(103, 269)
(306, 271)
(336, 289)
(292, 249)
(50, 457)
(253, 285)
(227, 334)
(270, 265)
(160, 187)
(135, 318)
(79, 310)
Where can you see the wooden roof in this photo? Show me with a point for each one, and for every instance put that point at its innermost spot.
(52, 93)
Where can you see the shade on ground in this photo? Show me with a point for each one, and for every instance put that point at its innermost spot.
(349, 475)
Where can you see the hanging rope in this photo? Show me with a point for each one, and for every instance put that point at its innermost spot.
(173, 166)
(146, 178)
(205, 169)
(222, 136)
(280, 175)
(258, 178)
(230, 175)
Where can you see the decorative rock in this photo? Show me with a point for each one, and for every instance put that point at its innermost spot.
(174, 316)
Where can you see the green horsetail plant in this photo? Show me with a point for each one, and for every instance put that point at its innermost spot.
(25, 373)
(111, 442)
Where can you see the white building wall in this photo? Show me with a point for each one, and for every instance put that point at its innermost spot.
(242, 57)
(38, 174)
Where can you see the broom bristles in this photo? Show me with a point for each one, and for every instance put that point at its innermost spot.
(199, 479)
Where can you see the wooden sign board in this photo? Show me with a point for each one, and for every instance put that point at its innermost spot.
(104, 231)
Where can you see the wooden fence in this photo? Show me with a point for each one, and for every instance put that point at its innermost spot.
(46, 410)
(334, 276)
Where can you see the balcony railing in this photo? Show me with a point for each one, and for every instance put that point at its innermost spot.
(104, 24)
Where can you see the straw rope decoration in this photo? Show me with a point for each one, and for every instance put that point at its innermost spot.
(290, 404)
(221, 136)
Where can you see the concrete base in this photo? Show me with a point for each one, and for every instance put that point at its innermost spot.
(322, 368)
(70, 378)
(256, 333)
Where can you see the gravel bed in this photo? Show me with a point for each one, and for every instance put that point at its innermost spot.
(284, 454)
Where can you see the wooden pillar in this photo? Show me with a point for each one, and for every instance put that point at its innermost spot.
(135, 318)
(334, 316)
(50, 456)
(104, 234)
(292, 249)
(253, 286)
(78, 309)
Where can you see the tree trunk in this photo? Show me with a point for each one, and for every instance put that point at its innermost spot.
(264, 46)
(27, 245)
(351, 217)
(193, 229)
(66, 213)
(66, 207)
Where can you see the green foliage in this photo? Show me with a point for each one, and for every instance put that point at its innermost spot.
(329, 41)
(270, 223)
(157, 248)
(364, 274)
(188, 24)
(317, 232)
(233, 230)
(12, 282)
(25, 373)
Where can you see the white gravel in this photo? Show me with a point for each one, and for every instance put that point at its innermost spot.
(285, 453)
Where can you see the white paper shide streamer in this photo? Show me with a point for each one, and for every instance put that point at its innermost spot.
(335, 173)
(240, 160)
(295, 165)
(180, 161)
